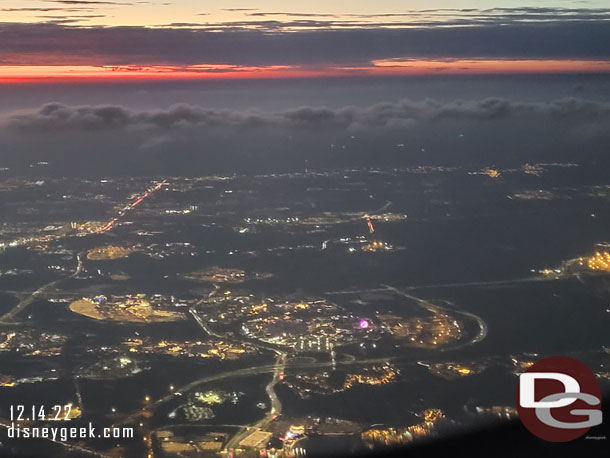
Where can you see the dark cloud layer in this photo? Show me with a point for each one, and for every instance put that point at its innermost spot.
(46, 43)
(185, 139)
(54, 117)
(470, 16)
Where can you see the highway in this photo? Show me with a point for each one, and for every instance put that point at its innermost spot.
(110, 224)
(278, 371)
(446, 285)
(254, 370)
(276, 405)
(204, 326)
(28, 300)
(437, 308)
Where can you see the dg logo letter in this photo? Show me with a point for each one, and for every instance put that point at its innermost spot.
(559, 399)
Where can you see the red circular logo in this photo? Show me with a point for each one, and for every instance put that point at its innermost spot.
(559, 399)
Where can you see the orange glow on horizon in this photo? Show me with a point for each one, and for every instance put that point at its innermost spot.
(497, 65)
(84, 73)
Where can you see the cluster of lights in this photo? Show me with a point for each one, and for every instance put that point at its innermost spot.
(600, 261)
(374, 246)
(492, 173)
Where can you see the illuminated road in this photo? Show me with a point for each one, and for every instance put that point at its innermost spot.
(209, 331)
(204, 326)
(149, 192)
(533, 279)
(254, 370)
(482, 283)
(276, 405)
(438, 309)
(278, 372)
(25, 303)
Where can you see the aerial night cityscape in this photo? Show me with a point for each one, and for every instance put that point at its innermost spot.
(307, 229)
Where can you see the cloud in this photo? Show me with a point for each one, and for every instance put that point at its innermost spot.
(20, 10)
(186, 139)
(309, 39)
(66, 19)
(35, 44)
(89, 2)
(312, 15)
(468, 16)
(55, 117)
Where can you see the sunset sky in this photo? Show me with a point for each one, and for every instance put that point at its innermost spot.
(99, 40)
